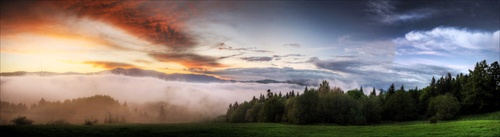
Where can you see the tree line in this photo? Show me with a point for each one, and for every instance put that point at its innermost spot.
(446, 98)
(72, 110)
(95, 109)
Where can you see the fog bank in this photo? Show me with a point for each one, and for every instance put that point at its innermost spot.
(209, 99)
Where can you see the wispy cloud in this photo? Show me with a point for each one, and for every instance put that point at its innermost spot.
(230, 56)
(295, 45)
(257, 59)
(278, 57)
(302, 76)
(385, 12)
(150, 27)
(345, 66)
(380, 74)
(142, 61)
(223, 46)
(447, 40)
(269, 58)
(109, 64)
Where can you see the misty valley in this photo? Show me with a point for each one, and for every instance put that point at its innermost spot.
(102, 108)
(446, 98)
(453, 105)
(249, 68)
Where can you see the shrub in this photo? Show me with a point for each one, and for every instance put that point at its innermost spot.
(58, 122)
(444, 107)
(433, 120)
(371, 109)
(90, 121)
(22, 120)
(219, 119)
(400, 107)
(305, 108)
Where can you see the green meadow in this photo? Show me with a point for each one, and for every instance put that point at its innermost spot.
(474, 125)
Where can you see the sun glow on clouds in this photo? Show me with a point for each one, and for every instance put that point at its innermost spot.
(232, 39)
(68, 45)
(145, 34)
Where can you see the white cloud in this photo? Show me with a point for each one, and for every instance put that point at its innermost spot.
(441, 40)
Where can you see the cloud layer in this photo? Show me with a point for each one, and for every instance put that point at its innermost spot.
(209, 99)
(157, 28)
(445, 40)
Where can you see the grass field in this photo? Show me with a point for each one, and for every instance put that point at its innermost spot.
(478, 125)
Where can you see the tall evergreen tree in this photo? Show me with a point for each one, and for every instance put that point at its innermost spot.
(372, 94)
(391, 90)
(432, 88)
(477, 95)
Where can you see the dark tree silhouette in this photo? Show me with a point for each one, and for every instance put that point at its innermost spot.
(161, 116)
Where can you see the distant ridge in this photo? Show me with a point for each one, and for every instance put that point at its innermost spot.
(136, 72)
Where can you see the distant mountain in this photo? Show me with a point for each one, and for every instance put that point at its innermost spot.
(17, 73)
(39, 73)
(135, 72)
(301, 82)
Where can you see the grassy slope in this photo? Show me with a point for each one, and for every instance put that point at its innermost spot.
(478, 125)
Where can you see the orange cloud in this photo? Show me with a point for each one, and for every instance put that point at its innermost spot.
(109, 64)
(161, 22)
(189, 60)
(157, 22)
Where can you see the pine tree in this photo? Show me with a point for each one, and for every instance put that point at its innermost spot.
(391, 90)
(432, 87)
(373, 94)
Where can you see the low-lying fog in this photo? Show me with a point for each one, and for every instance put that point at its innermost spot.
(209, 99)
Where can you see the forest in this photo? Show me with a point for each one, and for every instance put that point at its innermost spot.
(445, 98)
(92, 110)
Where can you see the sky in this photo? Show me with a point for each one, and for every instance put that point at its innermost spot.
(369, 43)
